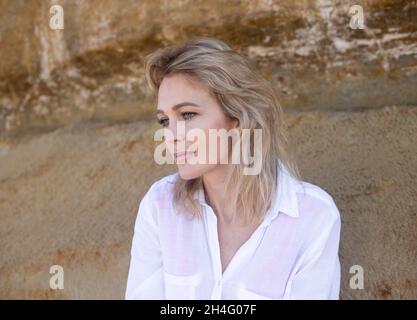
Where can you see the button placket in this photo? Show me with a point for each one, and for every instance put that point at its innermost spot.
(213, 242)
(253, 241)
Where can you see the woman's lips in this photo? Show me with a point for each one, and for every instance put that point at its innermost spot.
(181, 155)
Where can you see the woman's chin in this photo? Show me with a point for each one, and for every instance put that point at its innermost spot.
(191, 171)
(187, 172)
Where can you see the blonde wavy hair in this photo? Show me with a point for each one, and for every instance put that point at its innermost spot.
(242, 94)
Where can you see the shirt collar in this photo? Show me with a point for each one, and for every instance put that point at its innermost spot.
(285, 200)
(287, 192)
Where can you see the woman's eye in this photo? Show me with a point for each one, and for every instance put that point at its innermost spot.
(163, 122)
(188, 115)
(185, 115)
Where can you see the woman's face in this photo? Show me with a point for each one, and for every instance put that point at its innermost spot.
(182, 101)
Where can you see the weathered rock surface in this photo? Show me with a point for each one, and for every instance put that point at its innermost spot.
(93, 68)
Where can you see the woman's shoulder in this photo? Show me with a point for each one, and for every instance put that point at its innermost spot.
(317, 202)
(158, 197)
(162, 187)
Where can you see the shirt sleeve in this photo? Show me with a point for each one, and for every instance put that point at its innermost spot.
(145, 278)
(319, 274)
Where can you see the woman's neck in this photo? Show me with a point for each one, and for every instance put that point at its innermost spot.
(217, 195)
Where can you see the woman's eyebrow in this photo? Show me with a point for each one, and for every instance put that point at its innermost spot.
(179, 105)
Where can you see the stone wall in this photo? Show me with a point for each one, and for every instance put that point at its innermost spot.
(77, 121)
(93, 68)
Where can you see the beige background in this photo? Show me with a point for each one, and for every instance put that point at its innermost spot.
(77, 121)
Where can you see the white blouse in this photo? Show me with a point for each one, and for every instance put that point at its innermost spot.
(293, 254)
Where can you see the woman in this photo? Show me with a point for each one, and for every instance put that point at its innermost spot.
(210, 231)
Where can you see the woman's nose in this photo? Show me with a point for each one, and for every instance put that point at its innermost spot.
(177, 130)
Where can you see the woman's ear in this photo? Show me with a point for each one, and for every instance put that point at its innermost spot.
(236, 123)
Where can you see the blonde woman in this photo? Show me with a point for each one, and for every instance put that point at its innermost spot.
(210, 231)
